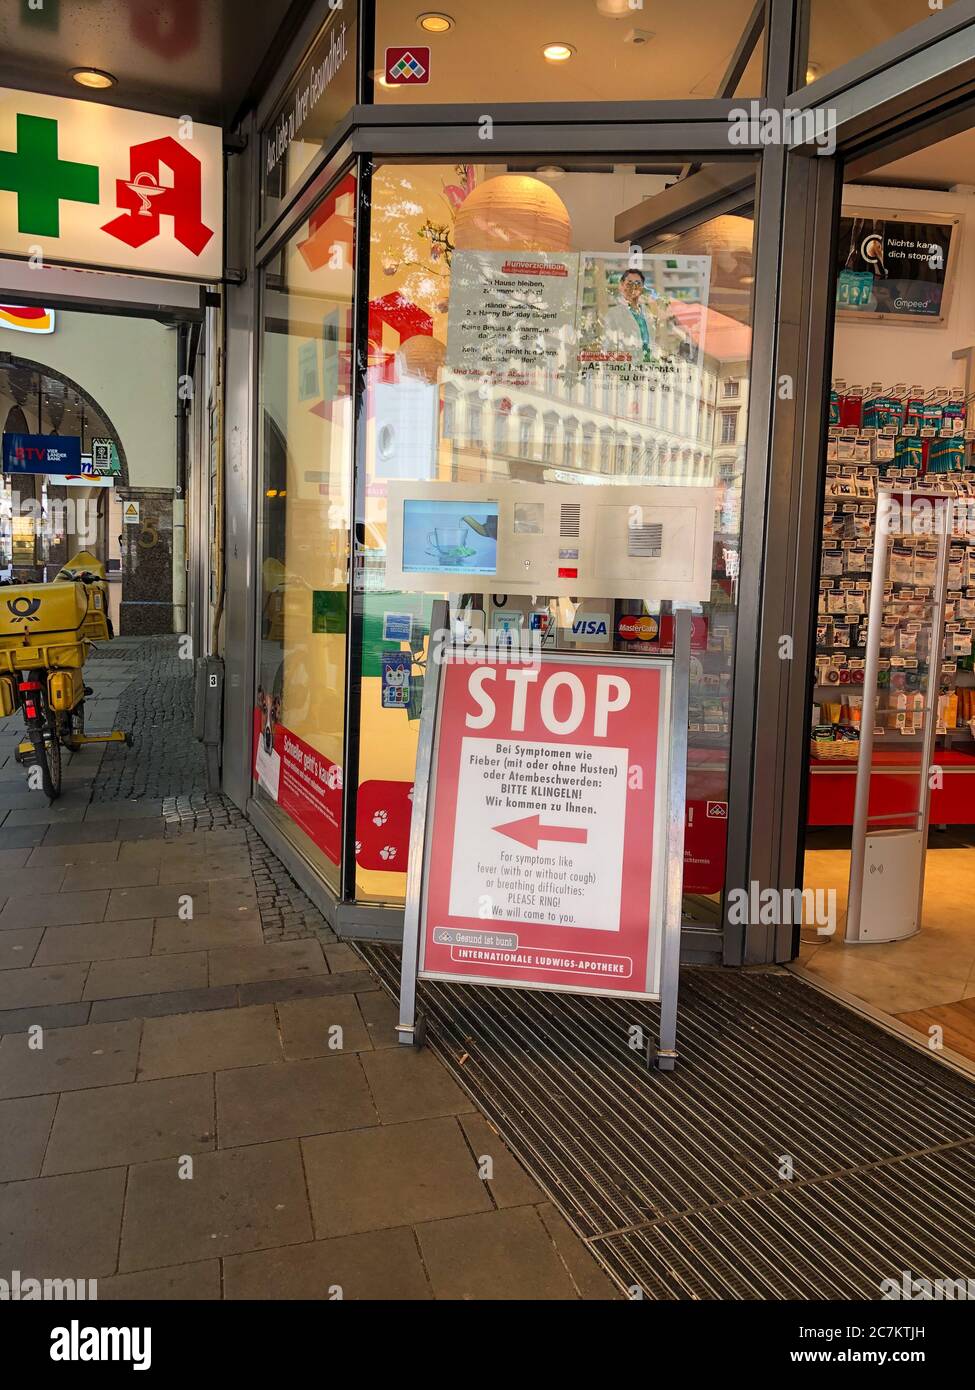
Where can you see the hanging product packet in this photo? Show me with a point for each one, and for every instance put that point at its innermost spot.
(883, 412)
(946, 455)
(909, 452)
(932, 415)
(955, 414)
(914, 412)
(901, 563)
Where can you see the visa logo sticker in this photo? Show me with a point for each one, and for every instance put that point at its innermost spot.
(591, 627)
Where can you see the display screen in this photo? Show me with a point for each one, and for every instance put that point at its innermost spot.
(443, 537)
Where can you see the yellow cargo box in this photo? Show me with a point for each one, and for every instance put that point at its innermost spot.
(50, 624)
(65, 689)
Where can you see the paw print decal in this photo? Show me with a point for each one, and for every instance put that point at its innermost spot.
(388, 852)
(380, 817)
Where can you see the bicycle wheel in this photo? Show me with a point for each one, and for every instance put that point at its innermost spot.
(47, 751)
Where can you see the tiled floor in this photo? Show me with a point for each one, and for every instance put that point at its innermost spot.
(932, 969)
(194, 1107)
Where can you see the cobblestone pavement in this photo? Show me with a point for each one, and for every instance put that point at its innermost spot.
(155, 704)
(154, 688)
(192, 1002)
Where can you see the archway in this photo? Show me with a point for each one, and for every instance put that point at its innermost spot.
(43, 521)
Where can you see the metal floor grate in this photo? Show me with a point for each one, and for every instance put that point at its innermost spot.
(673, 1180)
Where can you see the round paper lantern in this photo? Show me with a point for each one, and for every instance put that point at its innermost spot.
(421, 357)
(512, 212)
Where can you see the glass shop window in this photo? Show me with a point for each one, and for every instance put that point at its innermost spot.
(574, 398)
(306, 430)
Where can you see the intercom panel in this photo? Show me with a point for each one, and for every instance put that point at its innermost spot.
(639, 542)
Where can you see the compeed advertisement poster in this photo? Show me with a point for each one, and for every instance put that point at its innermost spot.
(892, 266)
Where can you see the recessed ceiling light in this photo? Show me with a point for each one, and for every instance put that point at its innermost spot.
(550, 171)
(379, 75)
(557, 52)
(812, 72)
(435, 23)
(93, 77)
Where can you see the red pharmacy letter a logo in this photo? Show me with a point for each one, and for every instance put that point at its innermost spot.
(147, 199)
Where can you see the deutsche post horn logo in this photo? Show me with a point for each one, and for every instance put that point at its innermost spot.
(23, 609)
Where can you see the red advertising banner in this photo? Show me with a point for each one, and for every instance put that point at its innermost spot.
(547, 846)
(305, 783)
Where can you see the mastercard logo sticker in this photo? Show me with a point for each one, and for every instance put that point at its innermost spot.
(634, 629)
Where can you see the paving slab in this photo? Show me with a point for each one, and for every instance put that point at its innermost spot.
(234, 863)
(509, 1184)
(18, 948)
(54, 909)
(21, 836)
(26, 882)
(152, 828)
(588, 1275)
(289, 1099)
(73, 855)
(79, 834)
(251, 1198)
(177, 1001)
(379, 1266)
(494, 1255)
(62, 1227)
(109, 875)
(50, 1016)
(311, 987)
(55, 814)
(158, 901)
(182, 1045)
(177, 1283)
(208, 933)
(307, 1026)
(91, 941)
(341, 958)
(391, 1175)
(45, 984)
(13, 859)
(148, 851)
(25, 1125)
(120, 979)
(128, 809)
(380, 1016)
(281, 960)
(410, 1083)
(112, 1126)
(70, 1059)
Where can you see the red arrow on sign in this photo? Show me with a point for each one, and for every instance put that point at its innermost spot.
(529, 831)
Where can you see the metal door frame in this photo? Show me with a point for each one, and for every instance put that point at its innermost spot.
(915, 76)
(891, 98)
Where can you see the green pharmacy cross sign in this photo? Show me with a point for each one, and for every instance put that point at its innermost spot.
(41, 180)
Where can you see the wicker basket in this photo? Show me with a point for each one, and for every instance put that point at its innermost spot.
(835, 750)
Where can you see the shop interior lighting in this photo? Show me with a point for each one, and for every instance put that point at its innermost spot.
(557, 52)
(435, 23)
(94, 78)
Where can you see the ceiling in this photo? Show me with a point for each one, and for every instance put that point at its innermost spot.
(940, 166)
(173, 57)
(840, 30)
(493, 52)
